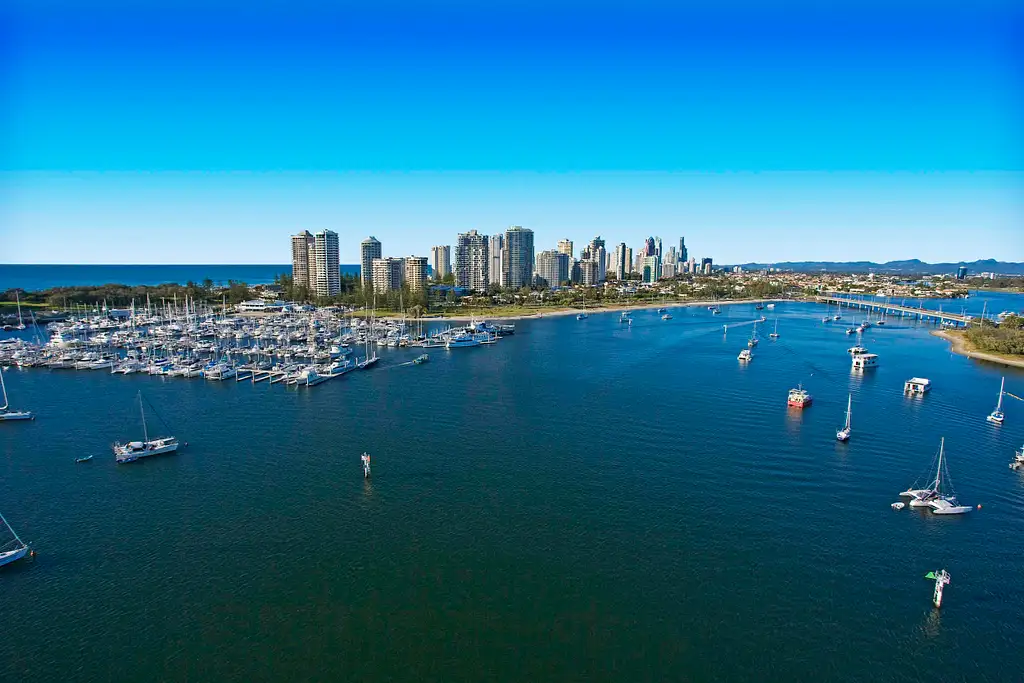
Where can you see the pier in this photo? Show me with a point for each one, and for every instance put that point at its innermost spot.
(900, 310)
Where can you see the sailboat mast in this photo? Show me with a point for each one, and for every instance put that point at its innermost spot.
(12, 530)
(938, 472)
(4, 389)
(999, 404)
(849, 404)
(145, 432)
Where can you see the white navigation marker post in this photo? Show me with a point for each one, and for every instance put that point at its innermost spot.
(941, 579)
(365, 457)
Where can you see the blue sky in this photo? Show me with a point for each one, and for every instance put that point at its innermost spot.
(209, 132)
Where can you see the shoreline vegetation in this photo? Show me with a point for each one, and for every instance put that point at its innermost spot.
(962, 345)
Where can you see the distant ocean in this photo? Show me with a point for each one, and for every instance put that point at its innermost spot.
(36, 277)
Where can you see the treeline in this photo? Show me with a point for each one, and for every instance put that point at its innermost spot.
(1007, 338)
(118, 296)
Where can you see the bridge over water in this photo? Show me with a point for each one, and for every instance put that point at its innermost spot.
(900, 310)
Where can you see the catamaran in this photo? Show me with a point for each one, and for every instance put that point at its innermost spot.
(6, 414)
(799, 398)
(133, 450)
(932, 495)
(14, 549)
(844, 433)
(996, 416)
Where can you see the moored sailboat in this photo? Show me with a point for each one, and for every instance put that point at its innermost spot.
(14, 549)
(5, 413)
(997, 416)
(844, 433)
(932, 495)
(134, 450)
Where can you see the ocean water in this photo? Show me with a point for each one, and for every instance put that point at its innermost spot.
(582, 501)
(37, 277)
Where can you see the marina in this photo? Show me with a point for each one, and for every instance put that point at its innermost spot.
(468, 447)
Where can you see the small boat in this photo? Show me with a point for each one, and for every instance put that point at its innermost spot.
(365, 457)
(14, 549)
(771, 306)
(84, 458)
(662, 310)
(667, 316)
(419, 360)
(745, 355)
(851, 330)
(799, 398)
(844, 433)
(997, 416)
(759, 307)
(1018, 459)
(898, 506)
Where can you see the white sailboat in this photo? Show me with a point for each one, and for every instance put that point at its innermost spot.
(932, 496)
(133, 450)
(5, 413)
(775, 334)
(583, 315)
(844, 433)
(996, 416)
(14, 549)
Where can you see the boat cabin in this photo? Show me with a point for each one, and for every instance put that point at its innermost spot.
(917, 385)
(863, 361)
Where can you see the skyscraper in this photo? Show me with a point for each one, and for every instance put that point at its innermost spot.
(495, 271)
(471, 261)
(387, 274)
(649, 248)
(518, 258)
(629, 260)
(303, 261)
(328, 270)
(705, 266)
(589, 270)
(565, 247)
(441, 261)
(552, 267)
(961, 273)
(650, 269)
(619, 260)
(657, 248)
(416, 272)
(597, 253)
(682, 250)
(369, 249)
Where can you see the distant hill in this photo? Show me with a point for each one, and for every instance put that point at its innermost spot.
(910, 267)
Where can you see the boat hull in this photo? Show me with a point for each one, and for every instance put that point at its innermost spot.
(15, 415)
(13, 555)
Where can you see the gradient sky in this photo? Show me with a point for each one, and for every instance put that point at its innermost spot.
(208, 132)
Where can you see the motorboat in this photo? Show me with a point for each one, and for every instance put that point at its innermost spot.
(745, 355)
(798, 398)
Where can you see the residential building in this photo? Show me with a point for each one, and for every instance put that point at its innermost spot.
(416, 272)
(387, 274)
(668, 269)
(629, 260)
(575, 273)
(369, 249)
(303, 261)
(496, 271)
(327, 268)
(441, 261)
(552, 268)
(705, 266)
(589, 270)
(518, 257)
(650, 268)
(598, 254)
(619, 256)
(565, 247)
(471, 261)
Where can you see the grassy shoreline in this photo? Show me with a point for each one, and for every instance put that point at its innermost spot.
(960, 345)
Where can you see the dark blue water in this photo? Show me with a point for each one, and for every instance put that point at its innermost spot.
(582, 501)
(37, 277)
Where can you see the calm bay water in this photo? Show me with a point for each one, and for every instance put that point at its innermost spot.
(583, 500)
(36, 277)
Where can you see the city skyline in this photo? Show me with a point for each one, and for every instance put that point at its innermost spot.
(864, 132)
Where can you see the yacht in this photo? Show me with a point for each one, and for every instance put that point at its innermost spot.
(799, 398)
(997, 416)
(10, 415)
(932, 496)
(917, 385)
(844, 433)
(461, 340)
(745, 355)
(134, 450)
(1018, 459)
(865, 361)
